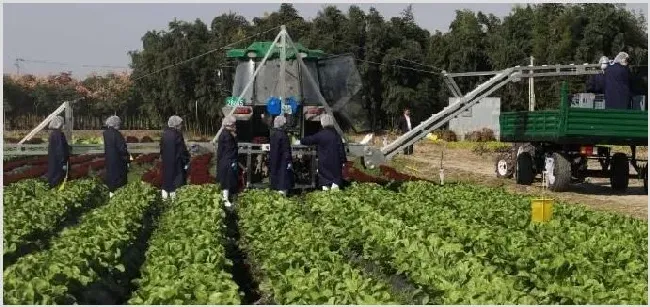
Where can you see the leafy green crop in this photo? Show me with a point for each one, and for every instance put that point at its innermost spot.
(444, 270)
(293, 259)
(17, 193)
(39, 216)
(185, 262)
(80, 254)
(580, 257)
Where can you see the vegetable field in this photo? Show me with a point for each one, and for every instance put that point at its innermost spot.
(409, 243)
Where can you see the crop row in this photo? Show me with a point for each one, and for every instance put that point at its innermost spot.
(17, 193)
(596, 259)
(571, 261)
(199, 170)
(185, 261)
(292, 259)
(35, 218)
(34, 168)
(85, 260)
(443, 270)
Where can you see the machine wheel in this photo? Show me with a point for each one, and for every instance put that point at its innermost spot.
(504, 165)
(619, 175)
(558, 172)
(525, 175)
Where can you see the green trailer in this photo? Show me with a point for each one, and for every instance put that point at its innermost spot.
(559, 143)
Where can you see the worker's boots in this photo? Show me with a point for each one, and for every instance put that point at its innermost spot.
(166, 195)
(226, 198)
(334, 187)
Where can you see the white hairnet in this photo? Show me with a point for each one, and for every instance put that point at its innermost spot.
(622, 57)
(228, 121)
(279, 122)
(326, 120)
(113, 122)
(603, 60)
(56, 122)
(175, 121)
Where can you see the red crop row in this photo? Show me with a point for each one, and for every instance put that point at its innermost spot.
(42, 160)
(38, 168)
(154, 175)
(199, 167)
(11, 165)
(80, 171)
(146, 158)
(351, 173)
(32, 172)
(392, 173)
(144, 139)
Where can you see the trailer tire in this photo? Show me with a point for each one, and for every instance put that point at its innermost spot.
(504, 165)
(525, 174)
(645, 179)
(560, 179)
(619, 174)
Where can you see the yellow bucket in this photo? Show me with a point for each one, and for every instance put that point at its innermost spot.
(541, 209)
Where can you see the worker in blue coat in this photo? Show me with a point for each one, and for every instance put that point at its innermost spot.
(618, 94)
(58, 153)
(331, 153)
(280, 163)
(596, 83)
(227, 164)
(116, 155)
(175, 157)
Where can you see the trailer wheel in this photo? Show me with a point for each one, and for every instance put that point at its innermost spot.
(504, 166)
(619, 175)
(525, 174)
(558, 172)
(645, 179)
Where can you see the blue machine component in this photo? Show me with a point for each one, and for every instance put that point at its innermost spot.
(274, 105)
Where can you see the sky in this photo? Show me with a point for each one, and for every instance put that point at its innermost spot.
(80, 37)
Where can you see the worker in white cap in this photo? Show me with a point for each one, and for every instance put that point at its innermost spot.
(596, 83)
(58, 153)
(175, 157)
(331, 153)
(116, 155)
(280, 162)
(618, 78)
(227, 165)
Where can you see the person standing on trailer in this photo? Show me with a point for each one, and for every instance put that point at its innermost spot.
(618, 94)
(58, 153)
(280, 162)
(227, 164)
(331, 153)
(116, 155)
(404, 124)
(175, 157)
(596, 83)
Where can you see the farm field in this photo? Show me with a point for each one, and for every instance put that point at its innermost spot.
(413, 243)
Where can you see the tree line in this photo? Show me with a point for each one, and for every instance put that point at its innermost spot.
(400, 62)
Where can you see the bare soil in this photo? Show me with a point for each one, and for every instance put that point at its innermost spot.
(465, 165)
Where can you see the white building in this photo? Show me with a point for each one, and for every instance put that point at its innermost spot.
(484, 114)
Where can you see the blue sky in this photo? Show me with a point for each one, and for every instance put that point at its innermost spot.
(73, 37)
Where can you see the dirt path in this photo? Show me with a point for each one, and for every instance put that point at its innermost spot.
(464, 165)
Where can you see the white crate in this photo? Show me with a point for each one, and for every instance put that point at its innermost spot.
(583, 100)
